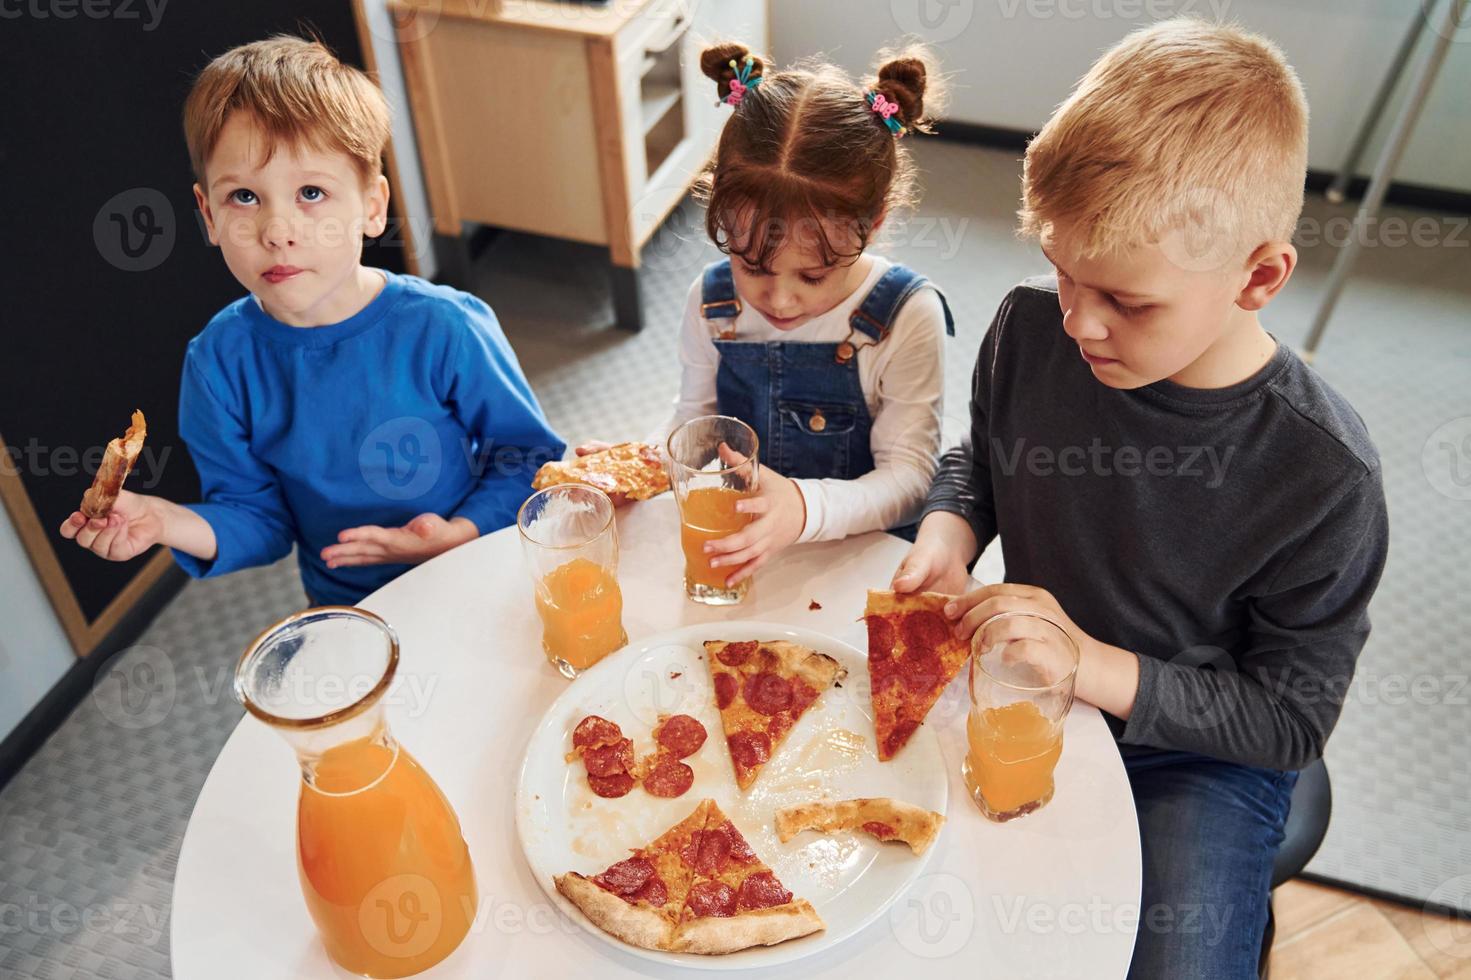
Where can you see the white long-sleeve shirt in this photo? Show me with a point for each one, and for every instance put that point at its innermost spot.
(903, 385)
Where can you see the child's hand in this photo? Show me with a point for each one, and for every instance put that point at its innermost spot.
(935, 563)
(781, 516)
(132, 527)
(419, 540)
(973, 609)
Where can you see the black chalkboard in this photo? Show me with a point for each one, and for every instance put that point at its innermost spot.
(107, 273)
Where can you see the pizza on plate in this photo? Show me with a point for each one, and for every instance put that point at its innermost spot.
(883, 818)
(629, 470)
(117, 463)
(762, 689)
(698, 888)
(912, 656)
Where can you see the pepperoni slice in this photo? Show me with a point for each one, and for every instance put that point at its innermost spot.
(739, 849)
(709, 850)
(803, 694)
(767, 693)
(899, 736)
(711, 898)
(880, 638)
(609, 760)
(750, 749)
(654, 892)
(669, 779)
(925, 630)
(921, 674)
(761, 891)
(725, 689)
(880, 830)
(626, 877)
(611, 787)
(593, 731)
(682, 735)
(736, 654)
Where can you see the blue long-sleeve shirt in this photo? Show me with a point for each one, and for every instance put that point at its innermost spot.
(414, 405)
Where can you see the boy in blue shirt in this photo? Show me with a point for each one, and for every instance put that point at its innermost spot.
(374, 419)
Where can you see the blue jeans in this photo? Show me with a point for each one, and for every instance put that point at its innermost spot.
(1209, 832)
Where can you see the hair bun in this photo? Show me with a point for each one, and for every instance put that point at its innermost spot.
(715, 63)
(903, 82)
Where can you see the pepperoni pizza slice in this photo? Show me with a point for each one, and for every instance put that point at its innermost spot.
(912, 657)
(734, 900)
(698, 888)
(639, 899)
(761, 690)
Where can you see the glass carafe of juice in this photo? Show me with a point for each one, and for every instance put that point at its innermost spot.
(383, 865)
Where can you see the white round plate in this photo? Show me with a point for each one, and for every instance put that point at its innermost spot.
(850, 878)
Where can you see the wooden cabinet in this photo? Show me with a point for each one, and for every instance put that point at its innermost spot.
(585, 121)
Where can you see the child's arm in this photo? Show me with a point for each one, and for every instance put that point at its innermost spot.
(699, 362)
(1274, 703)
(960, 514)
(495, 405)
(243, 520)
(138, 522)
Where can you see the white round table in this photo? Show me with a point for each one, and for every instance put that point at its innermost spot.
(1054, 894)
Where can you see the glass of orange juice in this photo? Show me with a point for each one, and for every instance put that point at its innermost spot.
(1022, 671)
(712, 465)
(383, 866)
(571, 544)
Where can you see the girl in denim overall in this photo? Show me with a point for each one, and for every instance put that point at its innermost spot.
(833, 356)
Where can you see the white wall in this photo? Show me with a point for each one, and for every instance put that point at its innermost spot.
(34, 652)
(1014, 60)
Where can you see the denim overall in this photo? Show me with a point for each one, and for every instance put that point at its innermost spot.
(804, 400)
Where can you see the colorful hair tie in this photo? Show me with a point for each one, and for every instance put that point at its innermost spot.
(886, 110)
(743, 82)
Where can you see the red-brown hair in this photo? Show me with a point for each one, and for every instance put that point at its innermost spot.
(298, 93)
(804, 154)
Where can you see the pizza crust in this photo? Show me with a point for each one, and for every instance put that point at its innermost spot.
(117, 462)
(715, 935)
(882, 602)
(913, 825)
(633, 924)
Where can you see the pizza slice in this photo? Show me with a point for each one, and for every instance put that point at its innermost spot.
(762, 689)
(912, 656)
(639, 899)
(629, 470)
(884, 818)
(117, 463)
(735, 901)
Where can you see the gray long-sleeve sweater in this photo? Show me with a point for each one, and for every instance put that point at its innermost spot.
(1231, 537)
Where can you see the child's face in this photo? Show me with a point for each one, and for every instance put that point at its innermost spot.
(799, 286)
(291, 230)
(1136, 316)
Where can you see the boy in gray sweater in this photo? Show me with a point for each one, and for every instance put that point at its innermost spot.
(1199, 510)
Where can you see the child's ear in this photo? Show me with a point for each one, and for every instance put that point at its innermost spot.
(202, 202)
(375, 215)
(1267, 271)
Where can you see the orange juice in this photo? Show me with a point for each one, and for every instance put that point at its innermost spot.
(1013, 750)
(385, 871)
(708, 514)
(581, 611)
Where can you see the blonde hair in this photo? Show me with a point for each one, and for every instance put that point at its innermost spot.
(297, 92)
(1183, 127)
